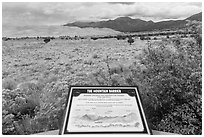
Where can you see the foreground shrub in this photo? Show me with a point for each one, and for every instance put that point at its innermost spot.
(174, 79)
(170, 80)
(33, 108)
(15, 106)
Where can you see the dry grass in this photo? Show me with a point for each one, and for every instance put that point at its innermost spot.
(67, 58)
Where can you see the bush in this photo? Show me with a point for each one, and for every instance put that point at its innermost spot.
(172, 89)
(120, 37)
(33, 108)
(95, 56)
(170, 78)
(130, 40)
(9, 84)
(94, 38)
(5, 74)
(155, 38)
(46, 40)
(16, 105)
(88, 61)
(198, 39)
(145, 38)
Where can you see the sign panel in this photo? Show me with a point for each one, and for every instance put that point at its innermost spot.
(104, 110)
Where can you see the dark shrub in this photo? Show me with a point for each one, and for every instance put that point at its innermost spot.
(198, 39)
(145, 38)
(130, 40)
(46, 40)
(5, 38)
(119, 37)
(94, 38)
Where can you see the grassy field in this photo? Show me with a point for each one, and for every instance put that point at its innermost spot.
(31, 60)
(42, 73)
(36, 77)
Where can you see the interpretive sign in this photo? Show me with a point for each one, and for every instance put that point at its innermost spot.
(104, 110)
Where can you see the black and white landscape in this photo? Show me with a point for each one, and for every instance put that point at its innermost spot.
(46, 47)
(127, 24)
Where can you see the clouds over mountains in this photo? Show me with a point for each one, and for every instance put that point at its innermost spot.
(20, 14)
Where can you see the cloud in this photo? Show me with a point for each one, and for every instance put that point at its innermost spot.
(158, 10)
(58, 13)
(36, 13)
(154, 11)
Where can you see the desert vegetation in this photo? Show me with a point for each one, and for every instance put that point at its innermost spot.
(168, 72)
(130, 40)
(46, 40)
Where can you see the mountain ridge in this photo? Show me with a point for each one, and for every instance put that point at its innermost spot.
(124, 118)
(127, 24)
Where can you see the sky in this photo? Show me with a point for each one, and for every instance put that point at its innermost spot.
(58, 13)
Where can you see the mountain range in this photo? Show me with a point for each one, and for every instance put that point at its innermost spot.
(131, 117)
(127, 24)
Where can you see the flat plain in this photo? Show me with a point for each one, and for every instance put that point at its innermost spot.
(30, 60)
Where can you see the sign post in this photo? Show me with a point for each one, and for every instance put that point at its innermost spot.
(99, 110)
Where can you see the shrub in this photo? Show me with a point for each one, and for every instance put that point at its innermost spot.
(94, 38)
(5, 38)
(173, 90)
(198, 39)
(46, 40)
(95, 56)
(5, 74)
(145, 38)
(170, 78)
(51, 78)
(9, 84)
(116, 70)
(7, 122)
(130, 40)
(155, 38)
(113, 75)
(120, 37)
(142, 37)
(31, 108)
(88, 62)
(18, 104)
(15, 106)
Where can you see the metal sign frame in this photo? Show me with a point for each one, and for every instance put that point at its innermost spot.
(84, 89)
